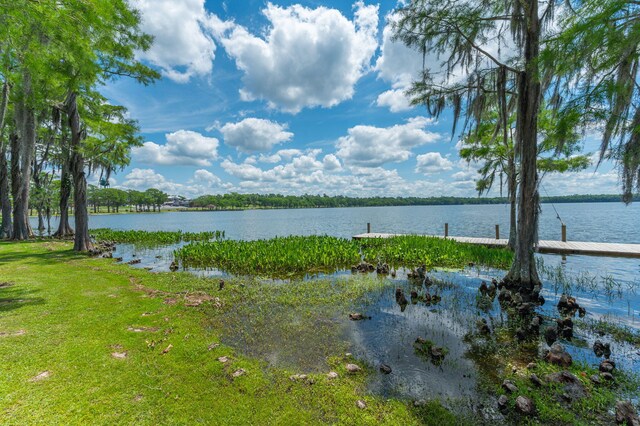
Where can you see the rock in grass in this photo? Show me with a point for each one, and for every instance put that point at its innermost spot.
(509, 386)
(361, 404)
(535, 380)
(352, 368)
(41, 376)
(239, 372)
(607, 366)
(332, 375)
(223, 359)
(525, 406)
(298, 377)
(119, 355)
(572, 386)
(559, 356)
(608, 376)
(626, 414)
(502, 402)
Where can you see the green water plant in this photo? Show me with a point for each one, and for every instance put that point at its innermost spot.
(413, 250)
(296, 255)
(153, 237)
(280, 256)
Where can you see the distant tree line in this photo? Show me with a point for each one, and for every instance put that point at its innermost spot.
(277, 201)
(113, 199)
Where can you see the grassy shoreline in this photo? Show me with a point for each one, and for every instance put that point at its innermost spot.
(88, 340)
(67, 319)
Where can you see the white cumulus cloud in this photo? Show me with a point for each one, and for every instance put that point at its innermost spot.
(306, 58)
(183, 147)
(432, 162)
(182, 47)
(255, 134)
(371, 146)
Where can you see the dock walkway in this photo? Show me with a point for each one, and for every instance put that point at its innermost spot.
(544, 246)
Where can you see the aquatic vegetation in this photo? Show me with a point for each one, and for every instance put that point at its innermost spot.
(565, 281)
(277, 257)
(608, 326)
(153, 237)
(413, 251)
(295, 255)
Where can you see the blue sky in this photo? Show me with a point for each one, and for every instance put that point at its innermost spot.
(293, 97)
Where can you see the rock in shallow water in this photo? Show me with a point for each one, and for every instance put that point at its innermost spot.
(385, 369)
(626, 414)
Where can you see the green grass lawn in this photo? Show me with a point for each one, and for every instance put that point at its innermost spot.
(66, 320)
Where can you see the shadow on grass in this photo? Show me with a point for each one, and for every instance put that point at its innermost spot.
(35, 251)
(14, 297)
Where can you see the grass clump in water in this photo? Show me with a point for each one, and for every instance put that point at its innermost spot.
(277, 257)
(153, 237)
(295, 256)
(414, 250)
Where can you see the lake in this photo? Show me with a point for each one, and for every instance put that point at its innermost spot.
(598, 222)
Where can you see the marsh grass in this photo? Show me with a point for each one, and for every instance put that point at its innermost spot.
(151, 238)
(607, 326)
(296, 256)
(594, 284)
(412, 251)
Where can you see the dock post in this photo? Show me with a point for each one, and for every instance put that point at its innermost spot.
(564, 233)
(497, 232)
(368, 227)
(446, 230)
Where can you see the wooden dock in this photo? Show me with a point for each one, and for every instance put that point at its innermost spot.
(544, 246)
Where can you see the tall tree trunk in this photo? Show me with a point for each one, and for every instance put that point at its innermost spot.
(64, 229)
(523, 274)
(6, 229)
(26, 125)
(5, 201)
(82, 242)
(512, 185)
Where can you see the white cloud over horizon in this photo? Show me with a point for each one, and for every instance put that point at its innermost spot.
(255, 135)
(182, 148)
(371, 146)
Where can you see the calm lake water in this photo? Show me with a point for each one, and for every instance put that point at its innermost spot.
(600, 222)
